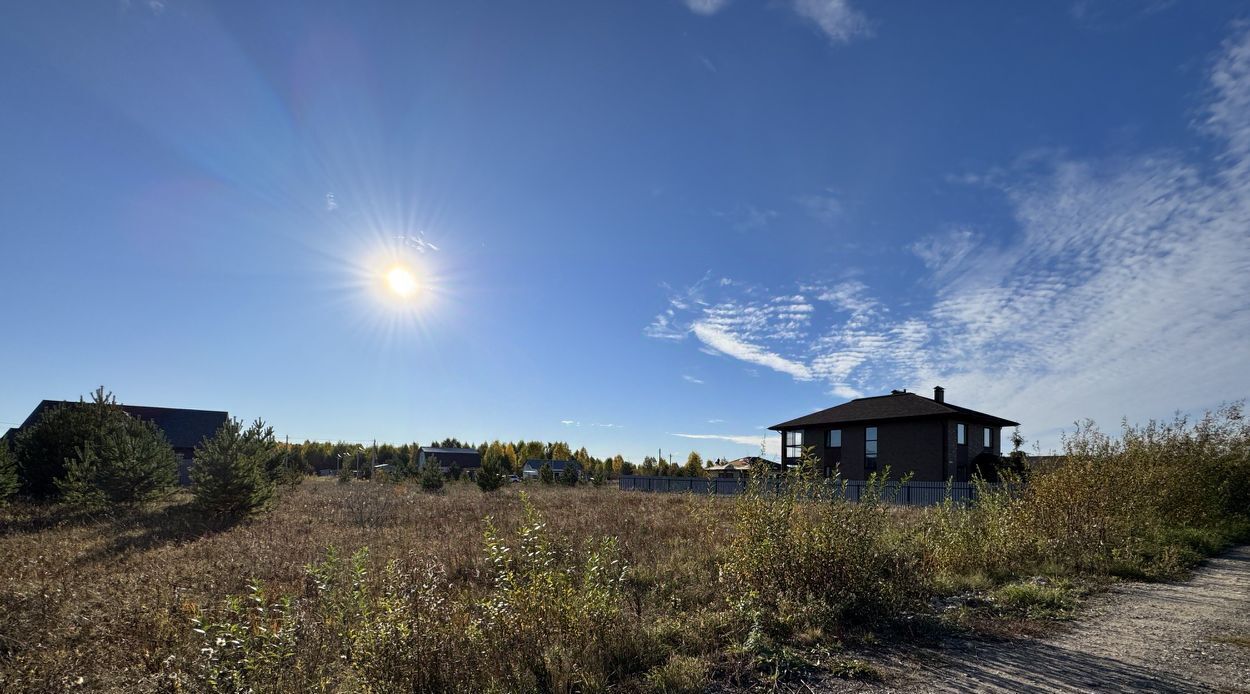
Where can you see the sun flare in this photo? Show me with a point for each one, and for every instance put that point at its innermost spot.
(401, 281)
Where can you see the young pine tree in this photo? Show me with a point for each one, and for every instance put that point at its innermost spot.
(43, 450)
(432, 475)
(127, 464)
(229, 478)
(546, 475)
(491, 475)
(8, 473)
(568, 476)
(694, 465)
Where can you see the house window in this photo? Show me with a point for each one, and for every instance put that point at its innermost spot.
(989, 437)
(961, 434)
(835, 439)
(870, 449)
(794, 444)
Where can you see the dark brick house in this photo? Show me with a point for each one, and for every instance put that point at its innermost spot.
(469, 460)
(930, 438)
(183, 428)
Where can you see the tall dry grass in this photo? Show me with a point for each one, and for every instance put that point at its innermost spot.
(382, 587)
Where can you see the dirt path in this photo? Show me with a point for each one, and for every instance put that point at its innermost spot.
(1138, 637)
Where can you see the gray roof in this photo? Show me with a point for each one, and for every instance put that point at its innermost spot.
(182, 427)
(899, 405)
(557, 466)
(464, 457)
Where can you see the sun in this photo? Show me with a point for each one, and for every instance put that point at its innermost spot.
(401, 281)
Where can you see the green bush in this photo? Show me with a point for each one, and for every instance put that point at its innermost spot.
(8, 473)
(546, 475)
(44, 449)
(801, 555)
(432, 476)
(679, 675)
(490, 475)
(552, 619)
(229, 478)
(130, 463)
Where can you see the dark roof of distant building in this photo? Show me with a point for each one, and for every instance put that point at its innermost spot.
(741, 463)
(556, 465)
(462, 457)
(898, 405)
(183, 428)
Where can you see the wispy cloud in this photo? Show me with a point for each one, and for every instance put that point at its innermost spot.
(715, 421)
(691, 379)
(824, 207)
(772, 443)
(1120, 291)
(706, 7)
(835, 18)
(729, 344)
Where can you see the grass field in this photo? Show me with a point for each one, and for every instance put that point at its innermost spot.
(112, 601)
(370, 586)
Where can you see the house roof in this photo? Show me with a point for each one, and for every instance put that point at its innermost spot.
(897, 405)
(557, 466)
(464, 457)
(472, 451)
(741, 464)
(183, 428)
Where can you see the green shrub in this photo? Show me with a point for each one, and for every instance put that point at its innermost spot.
(552, 619)
(802, 555)
(131, 464)
(1037, 598)
(553, 622)
(546, 475)
(119, 461)
(248, 646)
(680, 675)
(490, 475)
(856, 669)
(432, 476)
(229, 478)
(8, 473)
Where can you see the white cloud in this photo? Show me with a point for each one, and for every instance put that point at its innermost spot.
(691, 379)
(715, 421)
(570, 422)
(845, 391)
(823, 207)
(706, 7)
(726, 343)
(771, 441)
(836, 18)
(1121, 290)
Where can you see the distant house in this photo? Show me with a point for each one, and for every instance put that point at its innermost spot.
(930, 438)
(733, 469)
(184, 429)
(469, 460)
(532, 466)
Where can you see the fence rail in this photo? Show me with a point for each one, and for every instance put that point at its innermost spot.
(911, 494)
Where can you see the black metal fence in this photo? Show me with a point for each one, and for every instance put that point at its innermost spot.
(911, 494)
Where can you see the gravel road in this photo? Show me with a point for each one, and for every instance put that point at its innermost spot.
(1161, 637)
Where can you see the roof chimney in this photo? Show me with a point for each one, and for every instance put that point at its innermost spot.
(939, 394)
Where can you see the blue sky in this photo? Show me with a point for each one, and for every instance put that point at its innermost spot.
(636, 225)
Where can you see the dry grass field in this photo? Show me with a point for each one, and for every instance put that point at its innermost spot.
(381, 587)
(107, 604)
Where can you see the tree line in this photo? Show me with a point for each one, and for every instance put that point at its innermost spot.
(93, 455)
